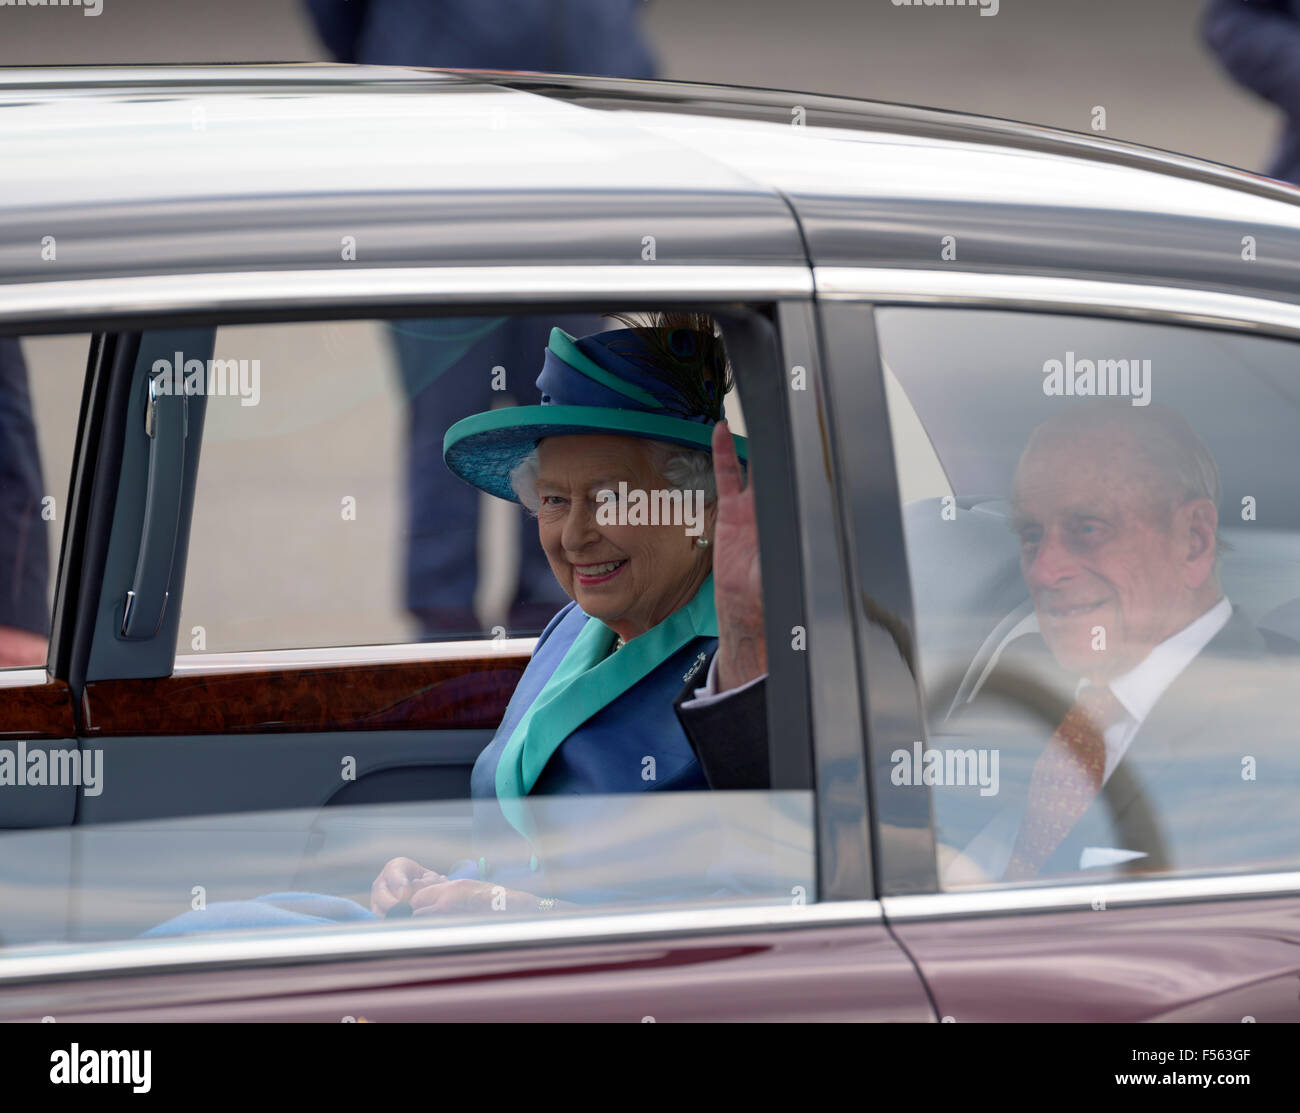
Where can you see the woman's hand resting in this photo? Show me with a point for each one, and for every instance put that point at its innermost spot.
(463, 896)
(399, 881)
(430, 893)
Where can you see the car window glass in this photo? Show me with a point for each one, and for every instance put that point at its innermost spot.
(314, 868)
(277, 792)
(1108, 601)
(324, 515)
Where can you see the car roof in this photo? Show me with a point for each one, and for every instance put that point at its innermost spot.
(149, 170)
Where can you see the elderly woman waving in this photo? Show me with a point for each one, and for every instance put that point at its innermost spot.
(618, 463)
(636, 484)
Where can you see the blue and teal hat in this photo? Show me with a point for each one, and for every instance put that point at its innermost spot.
(660, 384)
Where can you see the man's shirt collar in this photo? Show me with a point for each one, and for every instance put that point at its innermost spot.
(1138, 689)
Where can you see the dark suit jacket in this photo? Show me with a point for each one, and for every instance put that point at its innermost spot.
(1212, 776)
(729, 736)
(24, 552)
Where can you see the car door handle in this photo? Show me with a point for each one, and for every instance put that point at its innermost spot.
(166, 422)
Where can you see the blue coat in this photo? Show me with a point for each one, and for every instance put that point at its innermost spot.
(632, 744)
(608, 752)
(1258, 43)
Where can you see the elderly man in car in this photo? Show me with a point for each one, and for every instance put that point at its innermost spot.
(1173, 693)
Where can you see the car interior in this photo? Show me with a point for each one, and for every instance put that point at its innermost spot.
(964, 429)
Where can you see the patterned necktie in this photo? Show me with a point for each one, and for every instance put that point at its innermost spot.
(1066, 780)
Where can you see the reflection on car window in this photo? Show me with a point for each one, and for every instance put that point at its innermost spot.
(317, 868)
(1108, 602)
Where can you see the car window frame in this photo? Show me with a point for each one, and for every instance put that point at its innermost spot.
(848, 298)
(120, 309)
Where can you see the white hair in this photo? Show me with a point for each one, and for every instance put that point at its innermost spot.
(1180, 465)
(685, 469)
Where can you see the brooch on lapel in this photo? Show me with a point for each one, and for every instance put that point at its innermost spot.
(699, 661)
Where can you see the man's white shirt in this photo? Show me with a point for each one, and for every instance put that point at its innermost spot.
(1139, 689)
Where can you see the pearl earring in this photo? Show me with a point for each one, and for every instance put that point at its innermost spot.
(702, 542)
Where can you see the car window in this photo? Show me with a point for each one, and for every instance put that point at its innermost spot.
(324, 515)
(41, 382)
(624, 764)
(1108, 600)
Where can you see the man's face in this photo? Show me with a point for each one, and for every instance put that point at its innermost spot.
(1112, 573)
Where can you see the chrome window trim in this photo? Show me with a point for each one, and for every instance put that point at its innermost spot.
(478, 649)
(91, 79)
(381, 941)
(304, 289)
(21, 677)
(1180, 304)
(1117, 892)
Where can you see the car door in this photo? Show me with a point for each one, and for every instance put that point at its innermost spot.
(1174, 895)
(819, 949)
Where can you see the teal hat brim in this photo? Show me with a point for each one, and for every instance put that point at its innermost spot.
(484, 448)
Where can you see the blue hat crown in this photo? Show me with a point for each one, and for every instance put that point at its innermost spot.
(677, 370)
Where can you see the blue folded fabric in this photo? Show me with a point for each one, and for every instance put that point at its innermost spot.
(272, 910)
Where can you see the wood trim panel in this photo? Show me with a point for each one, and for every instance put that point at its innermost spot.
(469, 693)
(41, 708)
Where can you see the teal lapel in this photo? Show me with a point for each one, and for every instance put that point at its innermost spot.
(588, 679)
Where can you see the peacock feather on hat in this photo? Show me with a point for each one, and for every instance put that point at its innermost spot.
(686, 351)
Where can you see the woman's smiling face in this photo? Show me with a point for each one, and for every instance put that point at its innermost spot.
(631, 577)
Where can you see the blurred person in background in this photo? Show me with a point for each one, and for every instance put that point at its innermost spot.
(446, 365)
(1258, 43)
(599, 37)
(24, 548)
